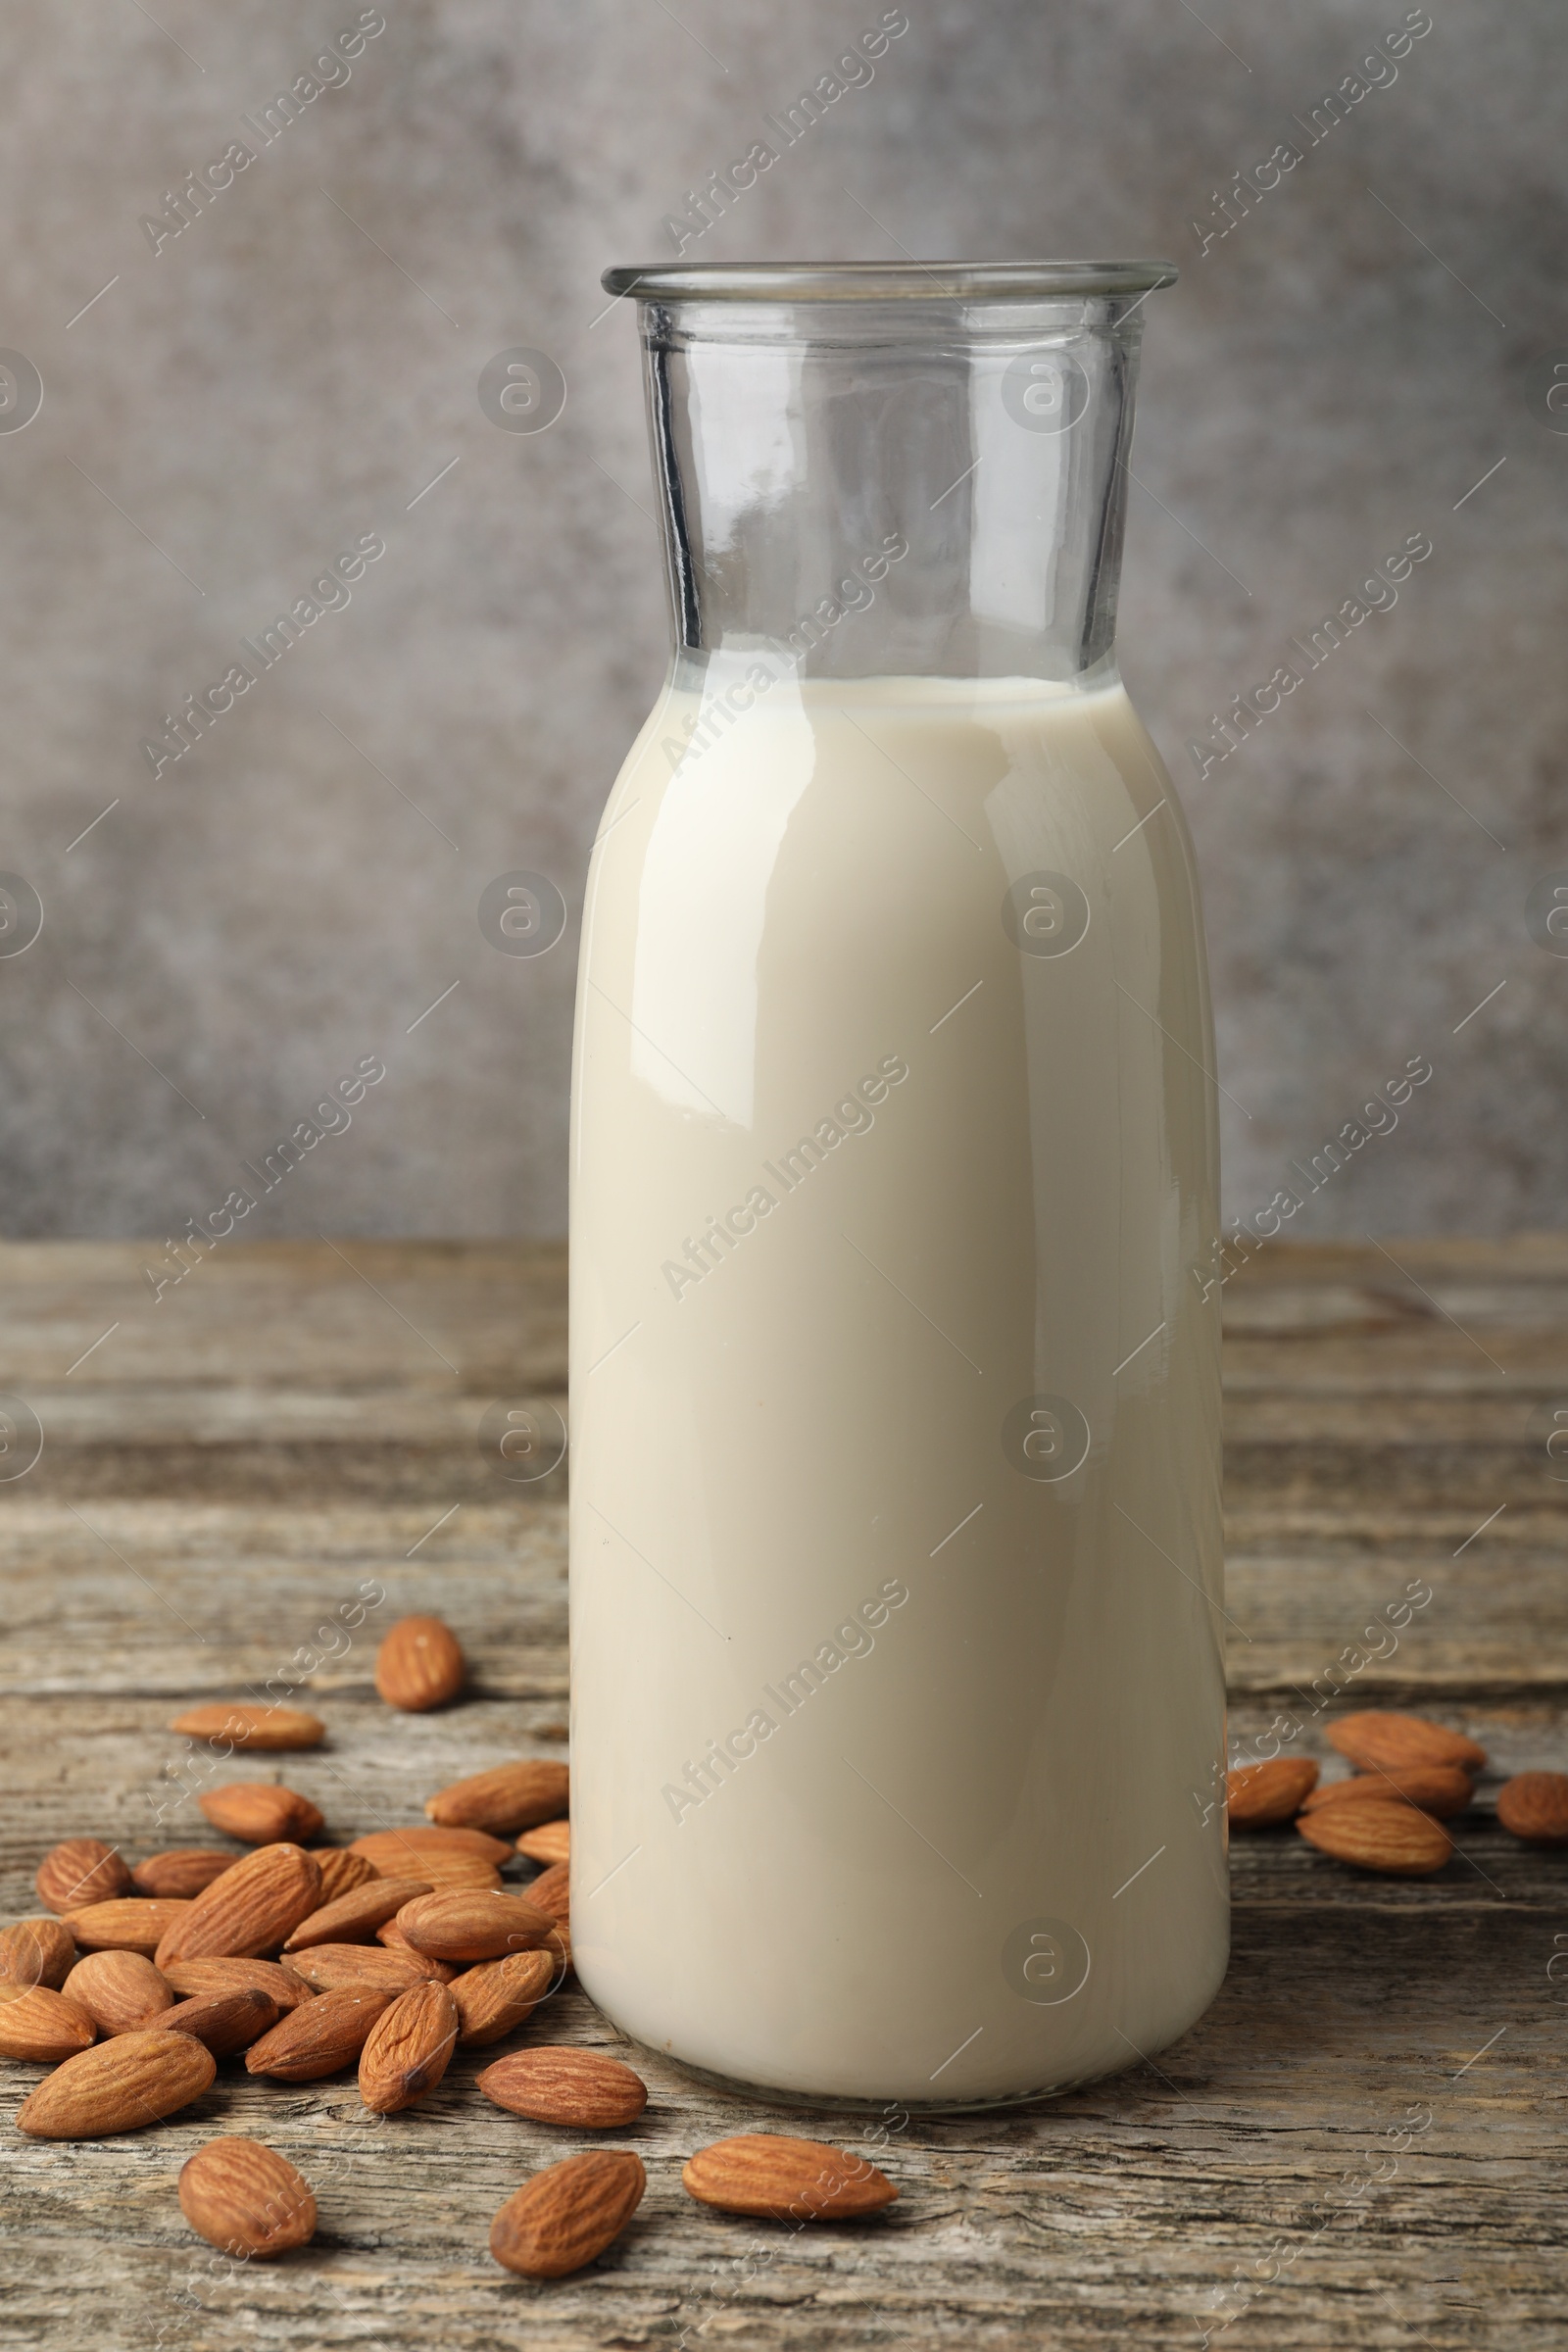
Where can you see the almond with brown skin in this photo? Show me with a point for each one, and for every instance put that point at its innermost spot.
(507, 1798)
(440, 1972)
(37, 1952)
(183, 1873)
(355, 1916)
(1380, 1739)
(549, 1843)
(397, 1852)
(459, 1923)
(117, 2086)
(81, 1871)
(581, 2089)
(1440, 1790)
(235, 1724)
(499, 1994)
(408, 2049)
(1257, 1796)
(248, 1910)
(131, 1923)
(1534, 1805)
(567, 2213)
(121, 1992)
(43, 2026)
(225, 2021)
(322, 2037)
(790, 2180)
(551, 1893)
(447, 1869)
(364, 1967)
(1396, 1838)
(193, 1980)
(420, 1665)
(246, 2199)
(444, 1868)
(260, 1813)
(341, 1870)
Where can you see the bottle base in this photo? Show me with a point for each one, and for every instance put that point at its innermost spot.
(828, 2102)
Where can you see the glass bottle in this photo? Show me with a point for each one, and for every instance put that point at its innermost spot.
(898, 1689)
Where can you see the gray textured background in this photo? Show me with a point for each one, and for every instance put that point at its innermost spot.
(1326, 380)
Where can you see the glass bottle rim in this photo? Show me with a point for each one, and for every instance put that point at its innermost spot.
(884, 281)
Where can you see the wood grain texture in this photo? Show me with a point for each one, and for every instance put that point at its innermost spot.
(293, 1427)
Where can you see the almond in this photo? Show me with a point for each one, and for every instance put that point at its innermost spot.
(246, 2199)
(248, 1910)
(566, 2214)
(225, 2021)
(230, 1722)
(508, 1798)
(420, 1665)
(322, 2037)
(1396, 1838)
(260, 1813)
(341, 1870)
(445, 1868)
(364, 1967)
(355, 1916)
(194, 1979)
(44, 2026)
(498, 1995)
(551, 1893)
(549, 1843)
(131, 1923)
(460, 1922)
(395, 1852)
(440, 1972)
(81, 1871)
(183, 1873)
(582, 2089)
(1381, 1740)
(408, 2049)
(37, 1952)
(117, 2086)
(1534, 1805)
(1258, 1796)
(1440, 1790)
(791, 2179)
(121, 1992)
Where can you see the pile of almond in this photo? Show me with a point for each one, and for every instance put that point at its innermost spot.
(385, 1955)
(1410, 1776)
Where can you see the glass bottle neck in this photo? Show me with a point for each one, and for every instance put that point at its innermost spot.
(927, 488)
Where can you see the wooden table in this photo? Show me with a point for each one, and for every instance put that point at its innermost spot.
(231, 1462)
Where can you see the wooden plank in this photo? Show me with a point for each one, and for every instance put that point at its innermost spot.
(140, 1596)
(1118, 2216)
(1123, 2208)
(274, 1435)
(192, 1599)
